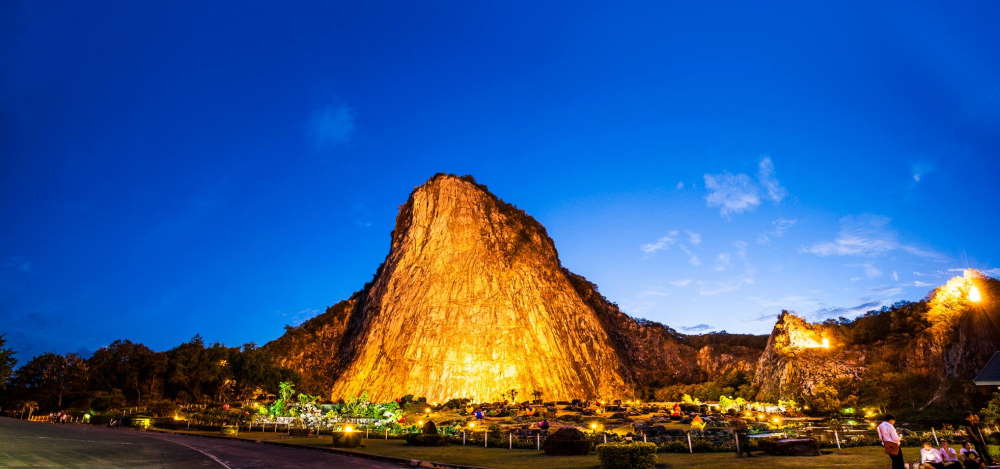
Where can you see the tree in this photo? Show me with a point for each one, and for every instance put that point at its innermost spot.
(254, 369)
(128, 366)
(991, 413)
(48, 377)
(7, 362)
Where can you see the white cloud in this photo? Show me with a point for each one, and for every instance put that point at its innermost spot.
(848, 311)
(738, 193)
(660, 244)
(693, 238)
(732, 193)
(765, 174)
(895, 275)
(300, 316)
(918, 283)
(870, 270)
(741, 249)
(723, 261)
(886, 292)
(693, 259)
(795, 302)
(716, 288)
(680, 185)
(332, 125)
(654, 292)
(782, 225)
(673, 239)
(681, 282)
(865, 235)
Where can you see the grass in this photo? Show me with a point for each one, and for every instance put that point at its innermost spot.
(502, 458)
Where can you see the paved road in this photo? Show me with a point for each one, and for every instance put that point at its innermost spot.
(27, 444)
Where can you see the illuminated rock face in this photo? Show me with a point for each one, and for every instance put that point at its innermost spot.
(940, 343)
(796, 365)
(472, 302)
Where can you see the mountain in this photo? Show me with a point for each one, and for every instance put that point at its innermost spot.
(914, 356)
(472, 301)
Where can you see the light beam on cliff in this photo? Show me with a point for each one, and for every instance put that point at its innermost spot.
(974, 295)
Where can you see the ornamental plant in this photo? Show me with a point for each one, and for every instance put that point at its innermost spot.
(627, 455)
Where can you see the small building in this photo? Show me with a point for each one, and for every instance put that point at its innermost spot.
(990, 374)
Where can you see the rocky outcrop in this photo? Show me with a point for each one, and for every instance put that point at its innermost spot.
(311, 348)
(472, 301)
(915, 355)
(800, 362)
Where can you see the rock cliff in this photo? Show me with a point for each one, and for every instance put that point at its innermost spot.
(914, 355)
(472, 301)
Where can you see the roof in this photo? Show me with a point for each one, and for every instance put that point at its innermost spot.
(990, 374)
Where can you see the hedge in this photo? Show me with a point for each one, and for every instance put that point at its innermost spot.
(627, 455)
(566, 441)
(420, 439)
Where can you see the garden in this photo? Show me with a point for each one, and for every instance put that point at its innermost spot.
(616, 434)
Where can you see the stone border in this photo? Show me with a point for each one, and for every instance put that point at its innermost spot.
(377, 457)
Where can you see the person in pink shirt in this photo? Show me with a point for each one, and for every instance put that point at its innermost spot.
(949, 457)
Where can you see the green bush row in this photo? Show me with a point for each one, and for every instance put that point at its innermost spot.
(627, 455)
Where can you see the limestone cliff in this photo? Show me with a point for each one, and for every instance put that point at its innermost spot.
(472, 301)
(915, 355)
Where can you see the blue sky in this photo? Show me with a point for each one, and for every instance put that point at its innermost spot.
(181, 168)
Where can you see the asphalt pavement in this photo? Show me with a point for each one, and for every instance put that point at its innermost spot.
(30, 444)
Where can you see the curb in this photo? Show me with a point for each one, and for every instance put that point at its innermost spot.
(377, 457)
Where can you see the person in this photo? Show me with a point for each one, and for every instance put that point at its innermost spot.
(930, 457)
(949, 456)
(976, 437)
(970, 457)
(890, 441)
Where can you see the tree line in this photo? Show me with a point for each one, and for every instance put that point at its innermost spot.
(126, 373)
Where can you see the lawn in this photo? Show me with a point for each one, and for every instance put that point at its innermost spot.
(502, 458)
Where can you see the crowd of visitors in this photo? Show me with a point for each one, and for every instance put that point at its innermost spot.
(973, 453)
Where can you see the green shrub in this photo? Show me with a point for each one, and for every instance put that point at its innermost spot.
(346, 440)
(430, 428)
(627, 455)
(420, 439)
(566, 441)
(457, 403)
(572, 418)
(676, 446)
